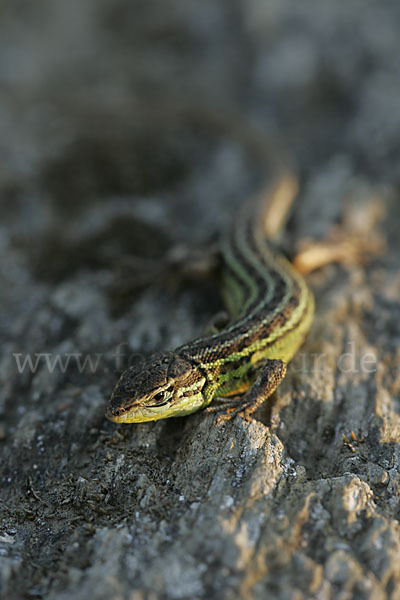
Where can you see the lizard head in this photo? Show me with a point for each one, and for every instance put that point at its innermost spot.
(165, 385)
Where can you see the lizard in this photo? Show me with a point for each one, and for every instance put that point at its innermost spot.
(271, 309)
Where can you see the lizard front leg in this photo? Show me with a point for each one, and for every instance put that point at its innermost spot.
(268, 379)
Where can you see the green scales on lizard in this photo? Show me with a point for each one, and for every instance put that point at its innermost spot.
(271, 309)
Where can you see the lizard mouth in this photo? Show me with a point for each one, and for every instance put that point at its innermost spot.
(120, 415)
(134, 415)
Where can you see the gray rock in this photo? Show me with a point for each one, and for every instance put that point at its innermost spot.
(129, 132)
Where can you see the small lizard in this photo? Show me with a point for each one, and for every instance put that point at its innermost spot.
(271, 308)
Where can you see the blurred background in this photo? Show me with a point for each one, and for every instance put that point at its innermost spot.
(127, 126)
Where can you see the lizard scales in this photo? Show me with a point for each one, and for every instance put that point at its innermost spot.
(271, 308)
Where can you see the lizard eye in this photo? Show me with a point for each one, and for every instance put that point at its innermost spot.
(162, 397)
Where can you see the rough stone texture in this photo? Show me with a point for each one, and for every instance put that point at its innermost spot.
(129, 131)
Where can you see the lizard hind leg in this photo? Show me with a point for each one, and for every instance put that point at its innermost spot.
(270, 376)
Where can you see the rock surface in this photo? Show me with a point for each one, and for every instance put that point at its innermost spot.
(129, 132)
